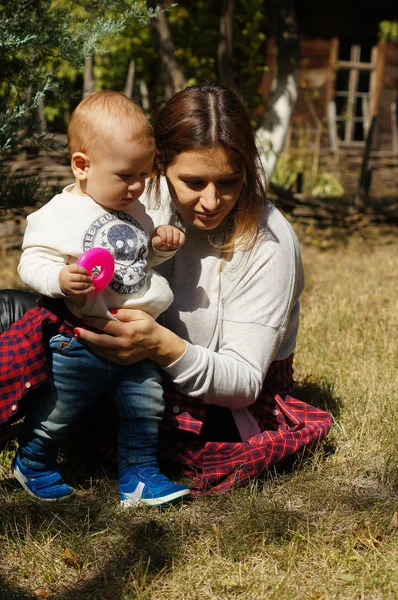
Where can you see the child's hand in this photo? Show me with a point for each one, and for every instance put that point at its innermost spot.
(167, 237)
(74, 280)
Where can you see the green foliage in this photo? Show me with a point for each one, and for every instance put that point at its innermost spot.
(326, 185)
(197, 52)
(388, 30)
(321, 184)
(286, 171)
(43, 45)
(44, 54)
(19, 192)
(40, 42)
(249, 54)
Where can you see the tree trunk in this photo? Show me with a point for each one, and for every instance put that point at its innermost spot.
(167, 49)
(272, 134)
(88, 82)
(144, 97)
(224, 51)
(42, 115)
(128, 88)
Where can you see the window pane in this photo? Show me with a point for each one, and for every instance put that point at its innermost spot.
(358, 132)
(366, 54)
(363, 81)
(341, 83)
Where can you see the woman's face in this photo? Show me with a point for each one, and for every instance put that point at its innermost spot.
(205, 185)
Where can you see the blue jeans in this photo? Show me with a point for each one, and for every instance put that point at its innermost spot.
(78, 378)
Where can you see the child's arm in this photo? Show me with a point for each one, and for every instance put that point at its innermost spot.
(44, 271)
(167, 237)
(164, 244)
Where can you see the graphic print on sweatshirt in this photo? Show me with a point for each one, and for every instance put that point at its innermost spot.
(124, 237)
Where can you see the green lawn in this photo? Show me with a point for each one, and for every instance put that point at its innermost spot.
(323, 526)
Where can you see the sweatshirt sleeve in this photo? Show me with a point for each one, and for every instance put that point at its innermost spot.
(40, 263)
(259, 314)
(157, 257)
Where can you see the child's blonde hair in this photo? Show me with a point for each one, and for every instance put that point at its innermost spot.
(91, 121)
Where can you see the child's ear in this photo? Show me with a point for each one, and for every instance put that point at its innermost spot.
(80, 164)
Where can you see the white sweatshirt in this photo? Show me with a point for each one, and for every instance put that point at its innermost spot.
(58, 233)
(237, 322)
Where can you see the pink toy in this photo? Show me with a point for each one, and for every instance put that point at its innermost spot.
(98, 257)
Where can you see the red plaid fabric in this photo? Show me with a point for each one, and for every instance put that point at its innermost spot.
(23, 357)
(287, 425)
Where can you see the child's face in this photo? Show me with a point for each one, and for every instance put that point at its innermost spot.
(117, 177)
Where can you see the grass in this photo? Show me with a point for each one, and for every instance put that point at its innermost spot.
(323, 526)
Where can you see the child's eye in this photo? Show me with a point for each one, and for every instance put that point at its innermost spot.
(124, 177)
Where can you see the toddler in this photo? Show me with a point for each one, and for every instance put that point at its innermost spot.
(112, 150)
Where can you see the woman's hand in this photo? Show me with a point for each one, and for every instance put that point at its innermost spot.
(133, 337)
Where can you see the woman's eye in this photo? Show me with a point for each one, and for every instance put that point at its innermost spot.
(195, 185)
(228, 182)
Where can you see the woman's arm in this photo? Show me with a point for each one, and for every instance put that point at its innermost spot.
(135, 336)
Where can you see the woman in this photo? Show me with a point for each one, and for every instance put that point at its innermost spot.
(226, 344)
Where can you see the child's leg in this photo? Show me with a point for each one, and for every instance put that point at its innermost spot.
(77, 378)
(140, 405)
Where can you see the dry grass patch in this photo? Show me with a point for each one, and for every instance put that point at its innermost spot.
(323, 526)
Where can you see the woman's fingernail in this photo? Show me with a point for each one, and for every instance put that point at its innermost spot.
(76, 333)
(114, 311)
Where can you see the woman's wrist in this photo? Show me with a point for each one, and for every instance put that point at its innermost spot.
(168, 348)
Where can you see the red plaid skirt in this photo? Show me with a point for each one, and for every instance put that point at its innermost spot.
(287, 425)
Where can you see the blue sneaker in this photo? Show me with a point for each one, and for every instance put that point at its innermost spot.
(143, 484)
(42, 484)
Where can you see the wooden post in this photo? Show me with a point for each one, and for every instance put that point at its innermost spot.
(352, 88)
(331, 72)
(329, 93)
(394, 126)
(366, 172)
(331, 111)
(376, 82)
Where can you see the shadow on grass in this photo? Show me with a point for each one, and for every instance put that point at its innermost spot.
(319, 393)
(136, 545)
(103, 547)
(11, 592)
(146, 545)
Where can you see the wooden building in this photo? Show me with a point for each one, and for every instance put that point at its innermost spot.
(348, 78)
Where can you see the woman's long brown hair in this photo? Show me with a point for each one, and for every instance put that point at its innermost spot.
(210, 115)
